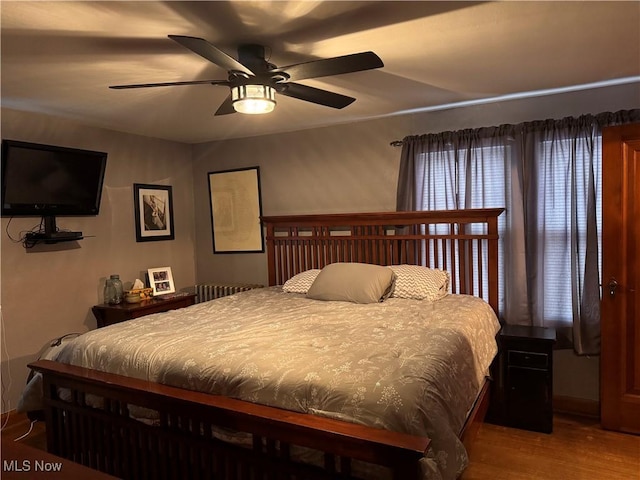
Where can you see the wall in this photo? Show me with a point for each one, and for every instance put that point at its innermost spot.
(48, 291)
(350, 168)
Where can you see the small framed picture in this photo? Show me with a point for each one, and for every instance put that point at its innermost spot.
(161, 280)
(153, 206)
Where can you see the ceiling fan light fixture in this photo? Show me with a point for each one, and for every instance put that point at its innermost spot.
(253, 99)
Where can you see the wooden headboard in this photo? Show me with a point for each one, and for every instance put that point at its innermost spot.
(463, 242)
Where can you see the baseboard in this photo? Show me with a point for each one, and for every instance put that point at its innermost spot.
(576, 406)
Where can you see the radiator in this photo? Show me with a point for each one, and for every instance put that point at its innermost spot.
(210, 291)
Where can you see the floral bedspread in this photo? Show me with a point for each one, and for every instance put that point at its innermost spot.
(406, 365)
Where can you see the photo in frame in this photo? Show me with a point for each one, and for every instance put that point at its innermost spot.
(236, 208)
(161, 280)
(153, 206)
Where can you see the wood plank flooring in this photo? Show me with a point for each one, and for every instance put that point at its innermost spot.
(18, 425)
(578, 449)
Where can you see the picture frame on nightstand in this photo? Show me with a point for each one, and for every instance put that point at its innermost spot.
(161, 281)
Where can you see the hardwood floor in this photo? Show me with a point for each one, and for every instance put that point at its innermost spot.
(578, 449)
(18, 425)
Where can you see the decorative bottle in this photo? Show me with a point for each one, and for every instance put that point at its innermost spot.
(109, 291)
(118, 290)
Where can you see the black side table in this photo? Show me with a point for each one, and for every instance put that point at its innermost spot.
(523, 383)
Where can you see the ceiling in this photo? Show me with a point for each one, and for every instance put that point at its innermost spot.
(59, 58)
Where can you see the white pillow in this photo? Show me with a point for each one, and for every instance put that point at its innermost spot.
(301, 282)
(420, 283)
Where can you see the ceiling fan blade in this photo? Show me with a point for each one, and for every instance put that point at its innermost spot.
(316, 95)
(170, 84)
(226, 108)
(211, 53)
(355, 62)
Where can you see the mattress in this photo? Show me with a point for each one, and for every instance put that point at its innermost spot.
(405, 365)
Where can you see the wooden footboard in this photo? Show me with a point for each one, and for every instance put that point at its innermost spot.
(183, 445)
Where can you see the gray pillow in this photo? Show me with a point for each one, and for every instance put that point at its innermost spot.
(353, 282)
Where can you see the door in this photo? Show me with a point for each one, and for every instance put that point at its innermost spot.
(620, 328)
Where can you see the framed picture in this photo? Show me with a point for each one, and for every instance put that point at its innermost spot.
(154, 212)
(161, 280)
(236, 208)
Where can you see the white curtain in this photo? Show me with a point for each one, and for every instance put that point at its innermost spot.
(547, 175)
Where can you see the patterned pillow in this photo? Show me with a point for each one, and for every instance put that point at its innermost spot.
(301, 282)
(420, 283)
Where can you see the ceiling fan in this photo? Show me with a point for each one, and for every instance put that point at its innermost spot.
(253, 80)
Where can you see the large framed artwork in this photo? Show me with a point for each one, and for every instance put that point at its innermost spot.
(154, 212)
(236, 208)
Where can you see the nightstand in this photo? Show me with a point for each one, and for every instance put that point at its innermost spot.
(109, 314)
(524, 378)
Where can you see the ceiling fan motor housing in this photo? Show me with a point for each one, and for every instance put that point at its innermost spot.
(252, 56)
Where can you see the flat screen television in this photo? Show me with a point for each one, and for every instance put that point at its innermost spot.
(48, 181)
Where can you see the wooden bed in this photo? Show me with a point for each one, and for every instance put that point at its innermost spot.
(184, 447)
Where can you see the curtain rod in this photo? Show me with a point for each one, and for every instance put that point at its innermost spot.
(396, 143)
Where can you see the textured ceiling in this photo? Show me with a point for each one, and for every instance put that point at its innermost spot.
(59, 57)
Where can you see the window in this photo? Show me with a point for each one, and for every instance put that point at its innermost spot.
(547, 174)
(483, 176)
(467, 178)
(562, 189)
